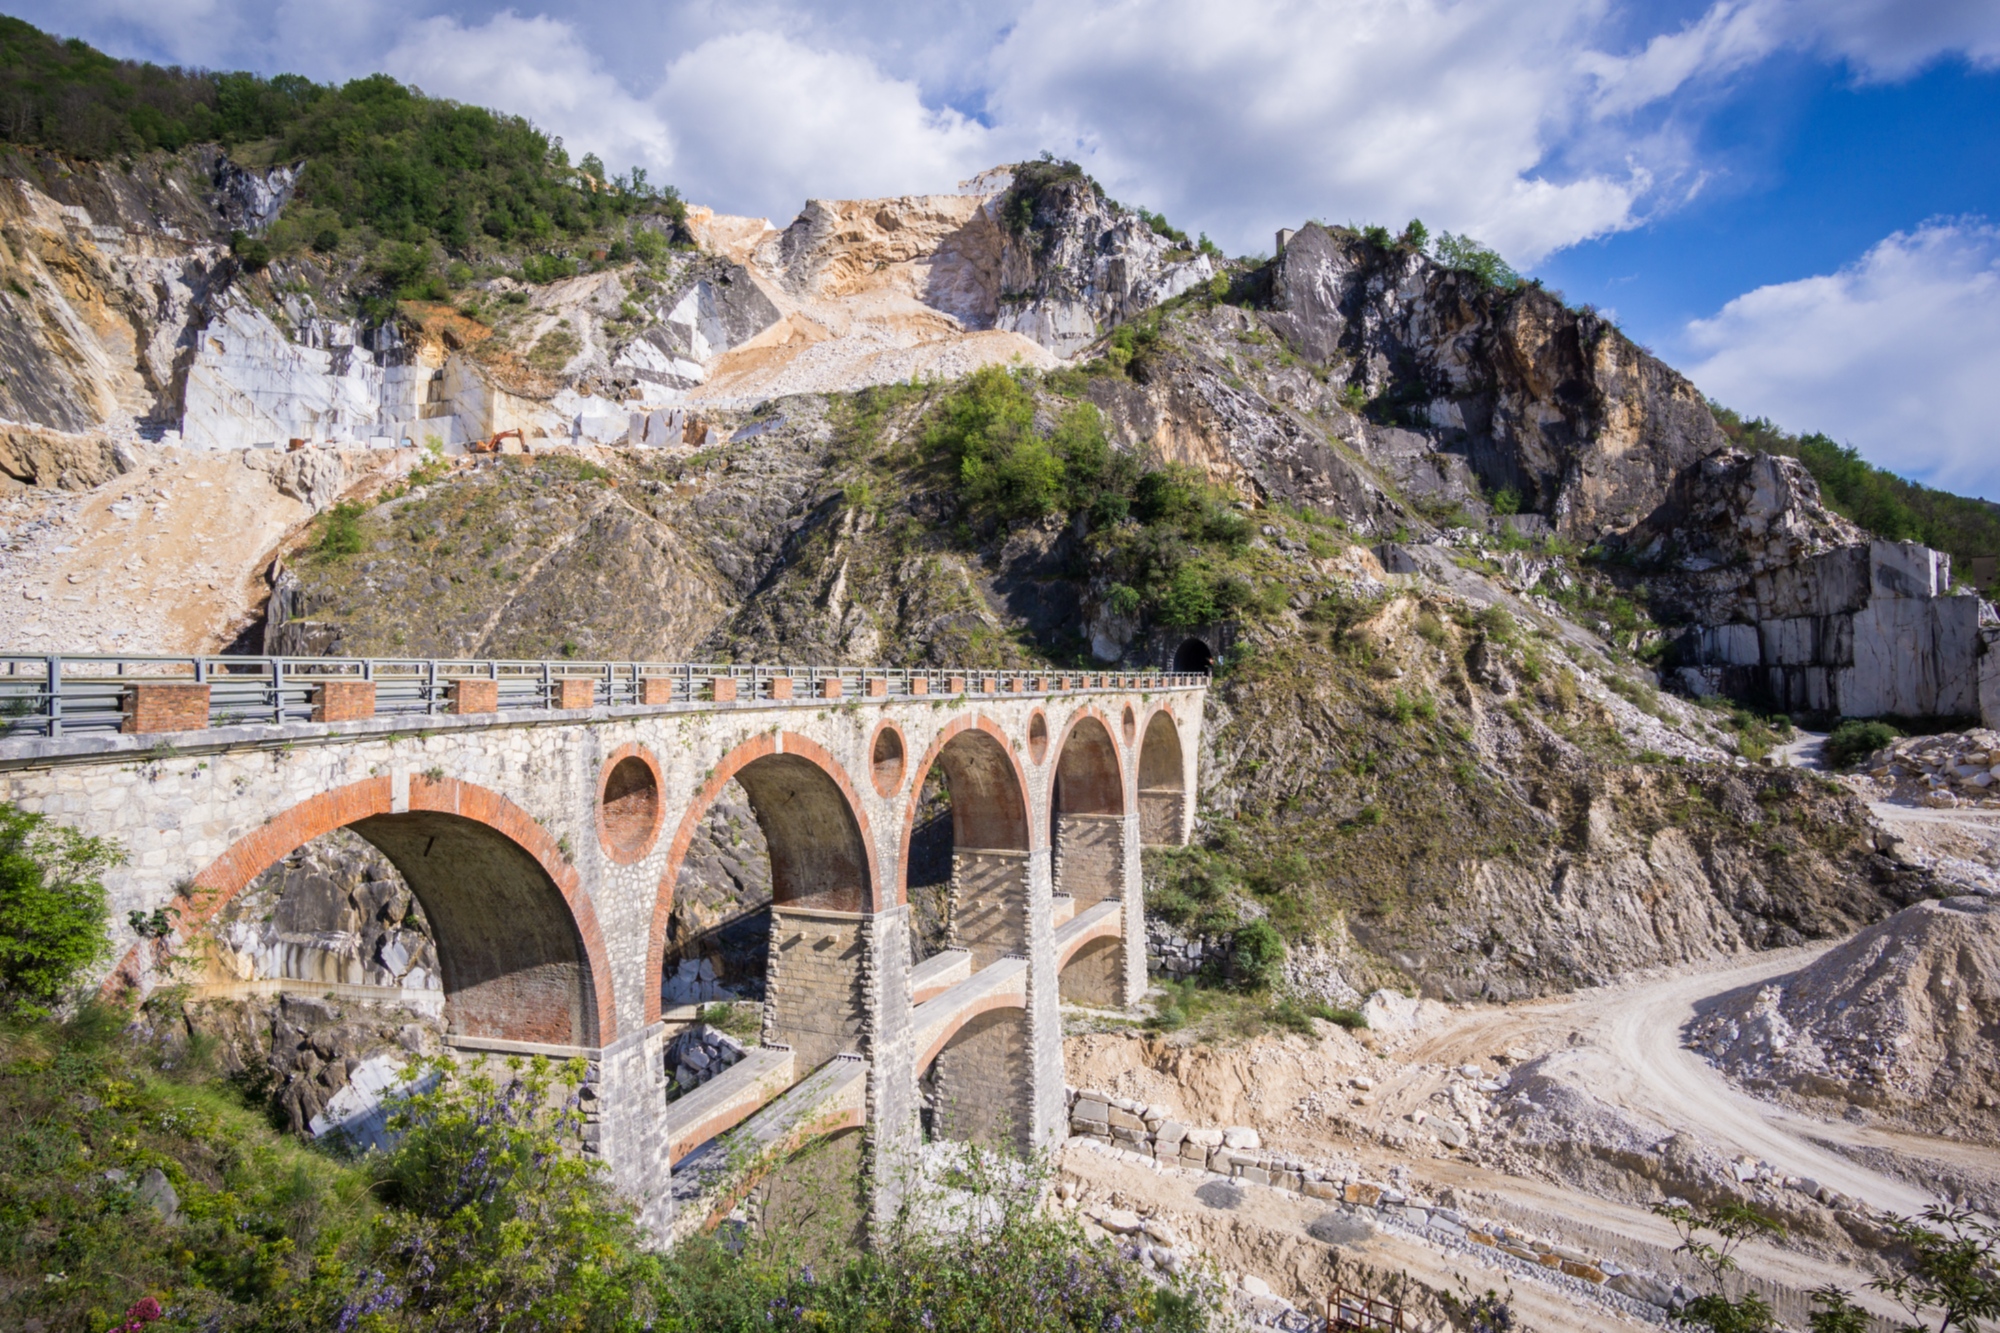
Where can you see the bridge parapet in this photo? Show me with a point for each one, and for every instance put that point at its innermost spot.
(53, 695)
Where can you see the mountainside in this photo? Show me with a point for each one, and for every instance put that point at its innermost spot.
(1439, 531)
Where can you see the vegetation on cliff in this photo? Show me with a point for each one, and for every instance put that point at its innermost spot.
(382, 163)
(1877, 499)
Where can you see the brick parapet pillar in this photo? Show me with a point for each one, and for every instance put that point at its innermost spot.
(475, 694)
(165, 706)
(1045, 1038)
(574, 693)
(894, 1136)
(344, 701)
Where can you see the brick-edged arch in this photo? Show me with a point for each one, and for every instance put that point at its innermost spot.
(764, 745)
(629, 846)
(374, 798)
(1110, 928)
(921, 773)
(985, 1004)
(1127, 768)
(1158, 811)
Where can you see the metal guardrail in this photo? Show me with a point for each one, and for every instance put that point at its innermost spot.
(54, 695)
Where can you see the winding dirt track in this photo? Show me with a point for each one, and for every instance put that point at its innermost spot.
(1625, 1040)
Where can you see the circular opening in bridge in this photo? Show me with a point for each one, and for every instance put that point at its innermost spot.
(629, 810)
(888, 759)
(1194, 658)
(1038, 738)
(1130, 726)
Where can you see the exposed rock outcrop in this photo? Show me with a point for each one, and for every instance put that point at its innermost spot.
(1508, 390)
(1795, 607)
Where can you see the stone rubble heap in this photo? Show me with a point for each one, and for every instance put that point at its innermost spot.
(1172, 953)
(698, 1055)
(1943, 772)
(1148, 1133)
(1898, 1018)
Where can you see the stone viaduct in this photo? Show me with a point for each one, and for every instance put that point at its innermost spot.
(540, 813)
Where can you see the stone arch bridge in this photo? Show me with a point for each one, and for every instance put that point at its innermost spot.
(540, 813)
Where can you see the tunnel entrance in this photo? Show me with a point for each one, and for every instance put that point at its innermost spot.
(1193, 656)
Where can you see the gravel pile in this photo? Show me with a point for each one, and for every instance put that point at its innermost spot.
(1900, 1018)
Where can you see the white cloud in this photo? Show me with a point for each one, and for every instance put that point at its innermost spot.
(1243, 117)
(538, 68)
(1896, 354)
(762, 122)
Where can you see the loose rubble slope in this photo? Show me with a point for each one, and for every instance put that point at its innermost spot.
(1902, 1018)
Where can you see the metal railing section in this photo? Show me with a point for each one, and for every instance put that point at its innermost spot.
(54, 695)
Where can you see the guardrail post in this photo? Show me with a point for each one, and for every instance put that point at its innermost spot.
(55, 697)
(430, 685)
(278, 690)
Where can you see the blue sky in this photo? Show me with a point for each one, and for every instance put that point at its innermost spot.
(1796, 202)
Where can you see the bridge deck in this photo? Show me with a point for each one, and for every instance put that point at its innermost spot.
(728, 1099)
(1104, 920)
(707, 1184)
(52, 695)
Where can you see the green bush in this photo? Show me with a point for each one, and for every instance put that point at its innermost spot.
(1257, 955)
(1466, 255)
(1857, 738)
(340, 531)
(52, 909)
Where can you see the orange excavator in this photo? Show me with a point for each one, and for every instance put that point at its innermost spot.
(492, 446)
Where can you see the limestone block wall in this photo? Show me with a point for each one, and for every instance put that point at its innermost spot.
(1162, 814)
(815, 992)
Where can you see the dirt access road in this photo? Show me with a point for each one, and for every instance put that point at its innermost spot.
(1624, 1042)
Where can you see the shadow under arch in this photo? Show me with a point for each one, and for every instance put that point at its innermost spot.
(1162, 783)
(519, 949)
(1087, 837)
(823, 887)
(978, 1084)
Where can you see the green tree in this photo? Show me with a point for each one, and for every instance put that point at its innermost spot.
(1468, 256)
(1257, 954)
(1949, 1274)
(496, 1221)
(52, 909)
(1730, 1224)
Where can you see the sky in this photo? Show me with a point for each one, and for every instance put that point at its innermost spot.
(1796, 202)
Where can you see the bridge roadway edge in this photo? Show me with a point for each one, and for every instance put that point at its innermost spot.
(179, 801)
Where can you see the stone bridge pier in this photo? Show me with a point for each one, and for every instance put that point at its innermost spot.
(541, 814)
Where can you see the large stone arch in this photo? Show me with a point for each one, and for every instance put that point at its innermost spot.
(980, 1073)
(992, 836)
(518, 942)
(1162, 780)
(1088, 832)
(824, 887)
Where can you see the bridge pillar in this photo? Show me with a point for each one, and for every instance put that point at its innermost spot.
(893, 1131)
(1132, 978)
(629, 1083)
(1048, 1121)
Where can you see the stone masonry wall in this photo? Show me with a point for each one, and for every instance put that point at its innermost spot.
(1090, 857)
(989, 904)
(985, 1091)
(815, 986)
(1162, 815)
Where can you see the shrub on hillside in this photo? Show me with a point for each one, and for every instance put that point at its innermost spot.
(52, 909)
(1257, 955)
(1857, 738)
